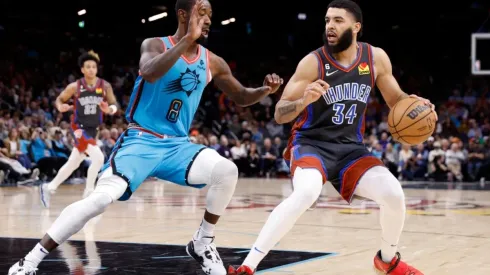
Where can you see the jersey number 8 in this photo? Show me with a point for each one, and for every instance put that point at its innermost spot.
(340, 117)
(174, 110)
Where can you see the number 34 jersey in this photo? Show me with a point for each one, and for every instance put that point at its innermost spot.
(338, 116)
(167, 106)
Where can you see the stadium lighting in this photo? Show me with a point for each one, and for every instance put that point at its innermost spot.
(302, 16)
(157, 16)
(82, 12)
(143, 21)
(228, 21)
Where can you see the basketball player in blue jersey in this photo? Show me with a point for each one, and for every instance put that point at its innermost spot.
(328, 96)
(174, 72)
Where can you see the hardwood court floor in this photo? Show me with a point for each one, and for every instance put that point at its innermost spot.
(447, 230)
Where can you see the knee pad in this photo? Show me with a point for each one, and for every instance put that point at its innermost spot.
(76, 215)
(111, 184)
(308, 184)
(211, 168)
(388, 187)
(224, 172)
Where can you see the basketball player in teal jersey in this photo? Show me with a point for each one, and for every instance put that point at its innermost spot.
(174, 72)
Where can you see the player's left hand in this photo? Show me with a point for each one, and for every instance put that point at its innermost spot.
(104, 107)
(273, 81)
(428, 103)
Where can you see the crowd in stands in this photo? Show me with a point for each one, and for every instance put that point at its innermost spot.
(35, 139)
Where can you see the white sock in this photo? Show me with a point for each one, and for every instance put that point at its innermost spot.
(308, 185)
(206, 229)
(388, 251)
(379, 185)
(36, 255)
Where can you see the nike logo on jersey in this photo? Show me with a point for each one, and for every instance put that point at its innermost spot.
(331, 73)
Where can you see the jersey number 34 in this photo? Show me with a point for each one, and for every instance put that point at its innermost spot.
(341, 115)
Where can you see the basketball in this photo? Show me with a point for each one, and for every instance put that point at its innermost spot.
(411, 122)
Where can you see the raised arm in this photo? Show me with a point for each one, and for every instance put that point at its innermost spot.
(155, 61)
(229, 85)
(303, 88)
(67, 93)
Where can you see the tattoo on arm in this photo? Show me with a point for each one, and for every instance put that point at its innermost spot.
(287, 107)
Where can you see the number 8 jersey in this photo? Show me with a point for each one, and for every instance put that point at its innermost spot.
(168, 105)
(338, 116)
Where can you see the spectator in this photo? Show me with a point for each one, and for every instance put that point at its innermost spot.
(454, 160)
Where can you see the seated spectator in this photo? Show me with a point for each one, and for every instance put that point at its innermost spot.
(13, 149)
(454, 160)
(223, 149)
(253, 158)
(41, 146)
(440, 172)
(239, 155)
(268, 158)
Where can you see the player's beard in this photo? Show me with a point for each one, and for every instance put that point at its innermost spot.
(203, 40)
(344, 41)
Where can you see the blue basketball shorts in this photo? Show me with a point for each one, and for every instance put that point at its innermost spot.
(140, 154)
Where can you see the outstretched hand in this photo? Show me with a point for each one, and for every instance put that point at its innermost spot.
(196, 21)
(273, 81)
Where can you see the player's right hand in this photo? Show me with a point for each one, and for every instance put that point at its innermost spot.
(65, 108)
(196, 22)
(314, 91)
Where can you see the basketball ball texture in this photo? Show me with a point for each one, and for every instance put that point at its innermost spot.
(411, 122)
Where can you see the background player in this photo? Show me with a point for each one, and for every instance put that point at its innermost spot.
(92, 97)
(174, 72)
(330, 89)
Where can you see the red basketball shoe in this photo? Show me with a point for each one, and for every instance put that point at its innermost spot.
(396, 267)
(242, 270)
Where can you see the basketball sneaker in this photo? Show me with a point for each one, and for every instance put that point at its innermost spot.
(45, 194)
(20, 269)
(242, 270)
(396, 267)
(205, 253)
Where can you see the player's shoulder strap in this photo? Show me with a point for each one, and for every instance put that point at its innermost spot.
(167, 42)
(322, 61)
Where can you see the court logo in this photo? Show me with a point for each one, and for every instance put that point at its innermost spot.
(187, 82)
(363, 68)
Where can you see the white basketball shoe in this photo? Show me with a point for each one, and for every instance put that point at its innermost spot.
(20, 269)
(205, 253)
